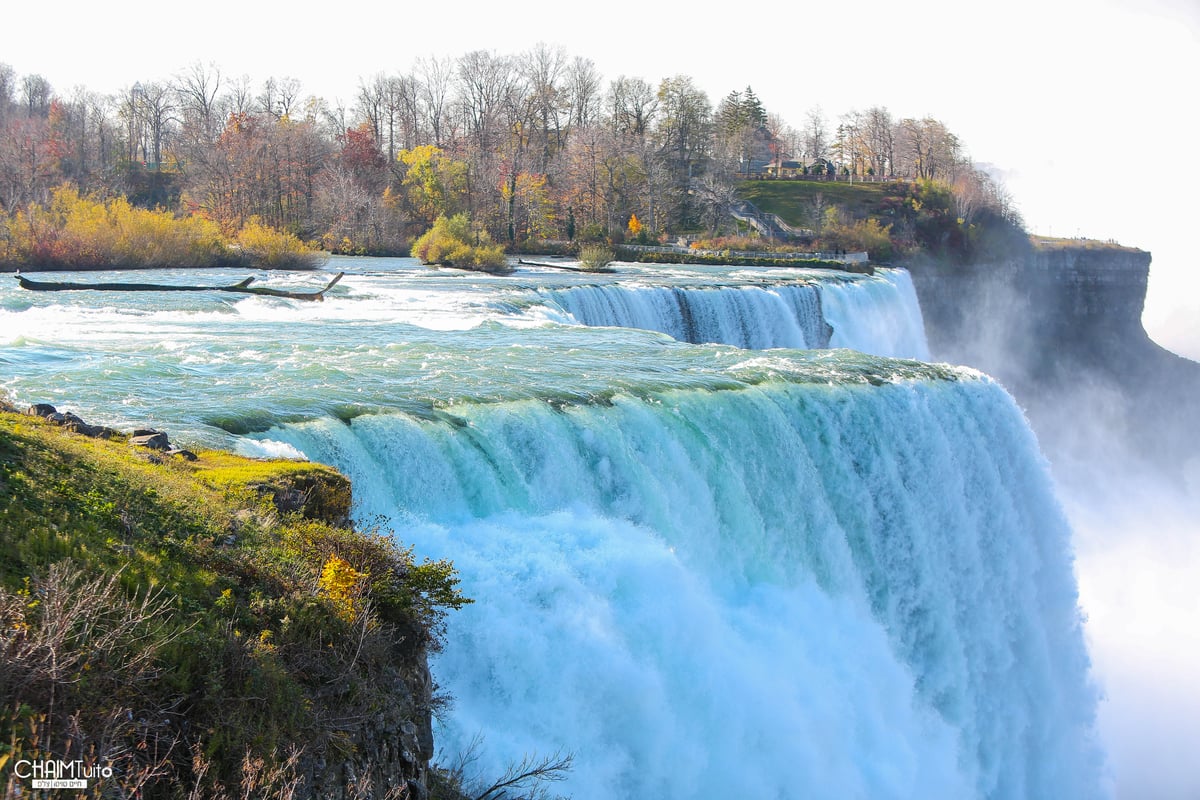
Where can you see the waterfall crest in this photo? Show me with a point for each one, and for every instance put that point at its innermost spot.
(777, 591)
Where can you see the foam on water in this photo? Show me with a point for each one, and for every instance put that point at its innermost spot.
(873, 314)
(782, 591)
(705, 571)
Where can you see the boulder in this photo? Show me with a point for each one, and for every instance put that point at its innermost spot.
(41, 410)
(155, 440)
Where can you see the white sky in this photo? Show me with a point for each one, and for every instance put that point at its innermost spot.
(1089, 107)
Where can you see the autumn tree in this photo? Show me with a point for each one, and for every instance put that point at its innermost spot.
(28, 166)
(434, 184)
(259, 166)
(927, 150)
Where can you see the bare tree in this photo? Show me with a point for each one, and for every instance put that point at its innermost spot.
(434, 79)
(289, 95)
(583, 92)
(36, 95)
(816, 135)
(240, 98)
(928, 150)
(527, 779)
(197, 90)
(157, 108)
(880, 140)
(683, 137)
(8, 91)
(543, 71)
(486, 82)
(278, 96)
(632, 106)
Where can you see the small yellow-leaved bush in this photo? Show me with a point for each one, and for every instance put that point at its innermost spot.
(343, 586)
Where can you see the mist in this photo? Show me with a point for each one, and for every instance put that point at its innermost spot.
(1134, 514)
(1118, 418)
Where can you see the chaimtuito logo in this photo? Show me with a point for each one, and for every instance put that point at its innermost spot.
(49, 773)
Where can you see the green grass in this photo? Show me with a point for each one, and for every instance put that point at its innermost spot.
(795, 201)
(248, 652)
(1051, 243)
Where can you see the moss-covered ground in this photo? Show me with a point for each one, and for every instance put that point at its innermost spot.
(178, 618)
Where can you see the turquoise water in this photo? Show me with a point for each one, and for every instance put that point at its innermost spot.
(391, 335)
(701, 568)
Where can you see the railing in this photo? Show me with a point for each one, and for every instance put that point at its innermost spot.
(767, 176)
(845, 258)
(770, 224)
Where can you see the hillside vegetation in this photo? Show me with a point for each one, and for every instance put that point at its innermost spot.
(895, 220)
(206, 628)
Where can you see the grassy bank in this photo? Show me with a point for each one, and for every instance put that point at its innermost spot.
(211, 625)
(802, 204)
(895, 221)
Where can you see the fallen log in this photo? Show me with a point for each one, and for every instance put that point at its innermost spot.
(522, 262)
(243, 287)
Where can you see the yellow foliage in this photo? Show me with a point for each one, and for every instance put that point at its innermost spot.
(342, 585)
(454, 242)
(635, 225)
(85, 231)
(273, 249)
(434, 183)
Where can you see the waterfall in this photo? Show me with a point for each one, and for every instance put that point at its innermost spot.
(783, 590)
(751, 317)
(874, 314)
(704, 571)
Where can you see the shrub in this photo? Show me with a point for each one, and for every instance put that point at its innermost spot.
(863, 234)
(85, 232)
(596, 258)
(265, 247)
(454, 242)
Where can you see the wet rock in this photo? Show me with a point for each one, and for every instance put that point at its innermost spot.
(41, 410)
(187, 455)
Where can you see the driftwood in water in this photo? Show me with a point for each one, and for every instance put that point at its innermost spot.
(564, 267)
(243, 287)
(525, 263)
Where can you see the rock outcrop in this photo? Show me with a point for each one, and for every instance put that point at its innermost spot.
(1061, 328)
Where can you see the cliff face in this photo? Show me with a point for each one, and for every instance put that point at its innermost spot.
(1061, 328)
(1022, 313)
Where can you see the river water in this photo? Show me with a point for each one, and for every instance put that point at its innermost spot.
(714, 550)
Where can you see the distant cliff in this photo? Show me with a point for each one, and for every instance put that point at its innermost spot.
(1062, 322)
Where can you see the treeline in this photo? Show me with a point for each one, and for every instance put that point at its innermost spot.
(530, 147)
